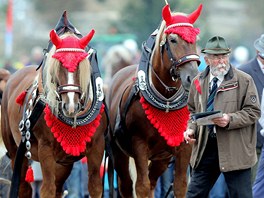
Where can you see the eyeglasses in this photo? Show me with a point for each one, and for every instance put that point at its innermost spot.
(218, 57)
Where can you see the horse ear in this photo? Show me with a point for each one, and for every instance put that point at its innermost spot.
(56, 40)
(86, 39)
(166, 14)
(193, 16)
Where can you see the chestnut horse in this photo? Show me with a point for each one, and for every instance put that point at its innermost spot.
(68, 87)
(148, 107)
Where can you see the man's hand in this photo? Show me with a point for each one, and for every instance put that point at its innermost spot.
(222, 121)
(189, 136)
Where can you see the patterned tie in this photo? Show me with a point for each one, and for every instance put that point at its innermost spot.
(210, 105)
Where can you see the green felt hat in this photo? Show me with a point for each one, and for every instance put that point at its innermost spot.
(216, 45)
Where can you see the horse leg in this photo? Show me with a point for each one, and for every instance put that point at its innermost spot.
(141, 161)
(156, 168)
(94, 157)
(121, 163)
(62, 173)
(48, 168)
(183, 154)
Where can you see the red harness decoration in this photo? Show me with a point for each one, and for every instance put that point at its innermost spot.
(170, 125)
(20, 99)
(72, 140)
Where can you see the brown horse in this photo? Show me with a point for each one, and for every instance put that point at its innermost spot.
(148, 107)
(68, 85)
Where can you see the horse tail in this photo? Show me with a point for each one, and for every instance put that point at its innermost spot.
(133, 174)
(110, 173)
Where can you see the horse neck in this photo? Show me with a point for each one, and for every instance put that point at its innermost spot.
(162, 79)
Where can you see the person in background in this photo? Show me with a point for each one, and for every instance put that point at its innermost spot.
(76, 180)
(5, 175)
(165, 181)
(5, 161)
(227, 144)
(241, 56)
(4, 76)
(36, 56)
(9, 66)
(255, 68)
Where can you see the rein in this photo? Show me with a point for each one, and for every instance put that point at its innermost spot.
(168, 88)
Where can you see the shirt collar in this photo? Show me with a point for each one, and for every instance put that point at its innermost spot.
(220, 79)
(260, 65)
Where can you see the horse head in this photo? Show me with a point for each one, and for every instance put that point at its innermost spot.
(175, 47)
(68, 73)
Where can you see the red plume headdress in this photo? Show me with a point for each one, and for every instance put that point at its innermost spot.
(70, 50)
(181, 24)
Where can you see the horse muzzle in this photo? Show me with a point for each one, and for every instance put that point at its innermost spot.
(70, 99)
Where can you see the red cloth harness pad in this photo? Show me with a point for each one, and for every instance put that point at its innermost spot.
(72, 140)
(170, 125)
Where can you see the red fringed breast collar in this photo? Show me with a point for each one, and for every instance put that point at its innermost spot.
(72, 140)
(170, 125)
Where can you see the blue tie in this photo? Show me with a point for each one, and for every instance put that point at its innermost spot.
(210, 105)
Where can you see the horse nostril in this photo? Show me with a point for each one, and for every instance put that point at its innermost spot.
(188, 79)
(65, 106)
(78, 107)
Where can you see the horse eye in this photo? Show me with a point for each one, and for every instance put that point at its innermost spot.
(173, 40)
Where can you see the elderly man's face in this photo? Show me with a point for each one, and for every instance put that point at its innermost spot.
(219, 63)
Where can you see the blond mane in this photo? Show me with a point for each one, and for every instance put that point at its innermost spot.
(51, 73)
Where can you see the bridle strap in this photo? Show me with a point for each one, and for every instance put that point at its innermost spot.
(175, 63)
(182, 60)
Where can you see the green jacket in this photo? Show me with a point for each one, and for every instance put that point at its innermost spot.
(236, 96)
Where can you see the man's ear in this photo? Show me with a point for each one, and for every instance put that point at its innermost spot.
(206, 60)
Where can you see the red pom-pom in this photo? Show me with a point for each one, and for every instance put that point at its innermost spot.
(29, 175)
(102, 171)
(20, 98)
(84, 160)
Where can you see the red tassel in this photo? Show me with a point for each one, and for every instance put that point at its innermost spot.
(20, 98)
(198, 86)
(101, 171)
(84, 160)
(29, 175)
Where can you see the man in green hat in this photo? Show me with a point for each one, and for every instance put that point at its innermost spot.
(226, 143)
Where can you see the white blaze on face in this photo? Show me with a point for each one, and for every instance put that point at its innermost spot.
(71, 94)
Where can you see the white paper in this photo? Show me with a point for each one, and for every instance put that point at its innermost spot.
(208, 119)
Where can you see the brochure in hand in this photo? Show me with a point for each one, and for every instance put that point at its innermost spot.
(205, 118)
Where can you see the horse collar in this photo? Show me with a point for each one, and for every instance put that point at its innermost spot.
(154, 98)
